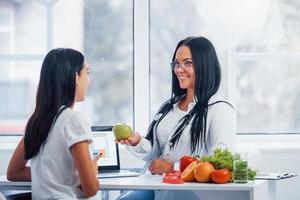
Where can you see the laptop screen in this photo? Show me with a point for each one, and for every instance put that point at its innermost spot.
(104, 141)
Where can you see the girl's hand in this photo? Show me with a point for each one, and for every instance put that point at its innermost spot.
(17, 169)
(86, 167)
(95, 161)
(133, 140)
(160, 166)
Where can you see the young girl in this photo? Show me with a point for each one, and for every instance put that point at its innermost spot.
(57, 139)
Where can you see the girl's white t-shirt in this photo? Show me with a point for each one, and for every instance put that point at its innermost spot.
(53, 171)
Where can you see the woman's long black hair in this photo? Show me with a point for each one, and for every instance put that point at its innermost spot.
(56, 88)
(208, 78)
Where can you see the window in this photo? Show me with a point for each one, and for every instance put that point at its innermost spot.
(267, 66)
(108, 46)
(179, 22)
(257, 42)
(96, 28)
(6, 28)
(258, 45)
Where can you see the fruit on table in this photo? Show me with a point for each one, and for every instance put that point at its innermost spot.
(185, 161)
(202, 172)
(173, 178)
(220, 176)
(188, 174)
(122, 131)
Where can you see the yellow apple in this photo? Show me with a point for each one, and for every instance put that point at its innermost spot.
(122, 131)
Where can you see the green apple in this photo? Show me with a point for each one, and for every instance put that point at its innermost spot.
(122, 131)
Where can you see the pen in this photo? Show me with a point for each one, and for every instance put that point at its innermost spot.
(98, 157)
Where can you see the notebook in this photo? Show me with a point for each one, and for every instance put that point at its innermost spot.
(274, 176)
(109, 163)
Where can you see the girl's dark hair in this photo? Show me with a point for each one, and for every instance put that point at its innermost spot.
(56, 89)
(208, 78)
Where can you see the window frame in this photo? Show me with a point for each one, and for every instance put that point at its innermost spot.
(141, 65)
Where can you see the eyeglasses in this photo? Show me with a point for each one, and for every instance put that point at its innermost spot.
(186, 65)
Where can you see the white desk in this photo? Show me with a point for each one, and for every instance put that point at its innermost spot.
(255, 190)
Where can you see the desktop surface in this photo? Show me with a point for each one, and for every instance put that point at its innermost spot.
(254, 190)
(153, 182)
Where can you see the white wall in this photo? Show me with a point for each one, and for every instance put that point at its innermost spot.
(286, 161)
(279, 153)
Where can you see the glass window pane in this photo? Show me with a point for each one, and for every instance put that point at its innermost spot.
(4, 47)
(268, 96)
(92, 27)
(30, 27)
(18, 84)
(4, 15)
(68, 24)
(191, 18)
(110, 96)
(273, 28)
(108, 47)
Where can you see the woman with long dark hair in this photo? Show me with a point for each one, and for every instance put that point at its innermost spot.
(57, 139)
(194, 121)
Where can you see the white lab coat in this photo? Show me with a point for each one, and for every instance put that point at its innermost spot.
(220, 133)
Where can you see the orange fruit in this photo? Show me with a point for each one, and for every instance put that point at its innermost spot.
(188, 174)
(202, 172)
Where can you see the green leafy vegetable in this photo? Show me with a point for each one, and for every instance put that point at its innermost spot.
(220, 159)
(224, 159)
(251, 174)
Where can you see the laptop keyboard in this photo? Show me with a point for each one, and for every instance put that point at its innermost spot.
(138, 170)
(110, 171)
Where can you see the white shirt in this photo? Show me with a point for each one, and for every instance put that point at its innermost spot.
(53, 172)
(168, 126)
(221, 131)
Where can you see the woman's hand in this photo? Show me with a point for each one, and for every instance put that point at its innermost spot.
(133, 140)
(160, 166)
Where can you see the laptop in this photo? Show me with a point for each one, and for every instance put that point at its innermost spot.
(109, 163)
